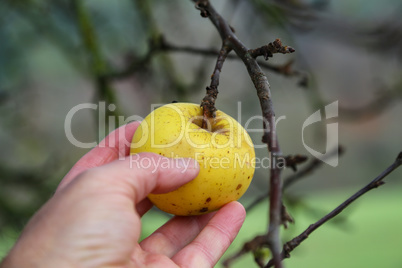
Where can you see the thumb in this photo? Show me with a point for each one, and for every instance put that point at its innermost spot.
(140, 174)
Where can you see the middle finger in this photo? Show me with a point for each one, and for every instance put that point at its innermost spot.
(175, 234)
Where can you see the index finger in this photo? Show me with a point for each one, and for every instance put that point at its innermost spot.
(115, 145)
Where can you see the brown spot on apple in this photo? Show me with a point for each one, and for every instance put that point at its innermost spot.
(239, 186)
(204, 209)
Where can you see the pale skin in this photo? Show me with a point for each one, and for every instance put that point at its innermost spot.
(94, 218)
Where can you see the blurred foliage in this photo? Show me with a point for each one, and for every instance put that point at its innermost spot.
(57, 54)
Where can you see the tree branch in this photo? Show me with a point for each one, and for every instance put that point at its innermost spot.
(162, 45)
(208, 102)
(268, 50)
(258, 242)
(261, 84)
(378, 181)
(302, 173)
(313, 165)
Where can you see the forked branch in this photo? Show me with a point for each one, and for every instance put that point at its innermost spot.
(261, 84)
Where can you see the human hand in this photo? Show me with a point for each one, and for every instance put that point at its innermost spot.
(93, 219)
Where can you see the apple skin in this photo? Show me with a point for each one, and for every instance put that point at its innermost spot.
(224, 151)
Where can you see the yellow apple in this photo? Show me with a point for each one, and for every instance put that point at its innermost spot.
(224, 151)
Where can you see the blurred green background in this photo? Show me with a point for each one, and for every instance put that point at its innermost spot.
(55, 55)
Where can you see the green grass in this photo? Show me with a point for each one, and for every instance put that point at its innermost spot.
(371, 236)
(7, 239)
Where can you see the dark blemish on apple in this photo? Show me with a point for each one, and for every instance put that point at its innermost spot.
(238, 186)
(173, 204)
(204, 209)
(248, 177)
(208, 200)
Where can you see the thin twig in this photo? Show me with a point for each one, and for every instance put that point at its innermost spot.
(285, 69)
(292, 161)
(302, 173)
(378, 181)
(311, 167)
(165, 46)
(268, 50)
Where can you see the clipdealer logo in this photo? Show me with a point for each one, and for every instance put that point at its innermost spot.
(331, 111)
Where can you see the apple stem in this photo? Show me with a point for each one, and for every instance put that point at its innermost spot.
(208, 102)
